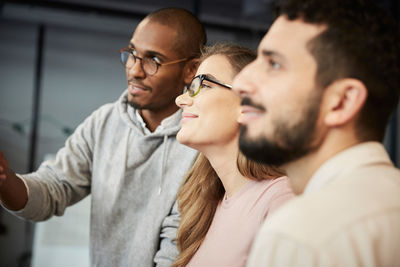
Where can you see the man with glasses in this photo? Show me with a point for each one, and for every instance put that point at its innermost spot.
(125, 154)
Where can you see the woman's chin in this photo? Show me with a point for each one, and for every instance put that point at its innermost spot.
(182, 138)
(185, 140)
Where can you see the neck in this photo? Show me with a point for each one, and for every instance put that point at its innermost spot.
(153, 118)
(223, 159)
(301, 170)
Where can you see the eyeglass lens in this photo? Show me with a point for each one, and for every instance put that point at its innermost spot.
(194, 87)
(148, 65)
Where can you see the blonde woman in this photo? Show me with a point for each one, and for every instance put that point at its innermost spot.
(225, 196)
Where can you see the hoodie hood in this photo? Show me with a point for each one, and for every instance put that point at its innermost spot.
(166, 130)
(168, 127)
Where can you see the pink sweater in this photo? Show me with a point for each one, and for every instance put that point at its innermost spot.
(236, 222)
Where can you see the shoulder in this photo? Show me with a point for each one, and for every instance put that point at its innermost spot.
(102, 114)
(275, 189)
(106, 116)
(311, 237)
(112, 108)
(333, 210)
(278, 184)
(269, 195)
(359, 211)
(105, 110)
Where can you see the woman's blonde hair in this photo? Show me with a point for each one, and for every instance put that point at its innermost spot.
(202, 189)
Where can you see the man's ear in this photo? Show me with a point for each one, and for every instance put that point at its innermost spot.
(344, 101)
(190, 70)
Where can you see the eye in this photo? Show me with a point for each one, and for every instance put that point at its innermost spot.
(132, 51)
(204, 85)
(155, 60)
(274, 65)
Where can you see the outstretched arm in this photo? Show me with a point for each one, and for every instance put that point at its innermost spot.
(13, 192)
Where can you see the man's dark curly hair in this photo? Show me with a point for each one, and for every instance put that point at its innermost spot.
(362, 41)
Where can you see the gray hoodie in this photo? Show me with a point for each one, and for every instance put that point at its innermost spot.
(133, 178)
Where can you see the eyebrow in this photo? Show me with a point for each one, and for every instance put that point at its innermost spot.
(270, 53)
(212, 78)
(150, 52)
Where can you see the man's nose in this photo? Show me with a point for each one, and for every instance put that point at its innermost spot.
(136, 69)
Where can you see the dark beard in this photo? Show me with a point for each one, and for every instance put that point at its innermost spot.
(289, 142)
(134, 105)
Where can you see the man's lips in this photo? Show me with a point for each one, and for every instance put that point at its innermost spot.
(249, 113)
(186, 116)
(136, 89)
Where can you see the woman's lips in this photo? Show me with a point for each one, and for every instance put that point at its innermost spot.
(188, 116)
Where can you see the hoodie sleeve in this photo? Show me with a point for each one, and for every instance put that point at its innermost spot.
(168, 250)
(64, 181)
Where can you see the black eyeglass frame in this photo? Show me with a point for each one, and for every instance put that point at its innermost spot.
(204, 77)
(129, 50)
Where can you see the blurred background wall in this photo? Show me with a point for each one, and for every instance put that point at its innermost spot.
(59, 61)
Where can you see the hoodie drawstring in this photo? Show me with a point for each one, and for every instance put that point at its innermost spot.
(163, 163)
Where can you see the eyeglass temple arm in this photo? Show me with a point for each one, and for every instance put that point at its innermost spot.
(218, 82)
(173, 62)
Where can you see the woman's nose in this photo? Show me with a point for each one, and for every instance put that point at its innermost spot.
(184, 100)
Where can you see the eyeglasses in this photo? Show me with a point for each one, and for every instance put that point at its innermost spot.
(197, 83)
(149, 65)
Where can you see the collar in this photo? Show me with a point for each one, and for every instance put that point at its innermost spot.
(141, 121)
(165, 123)
(346, 161)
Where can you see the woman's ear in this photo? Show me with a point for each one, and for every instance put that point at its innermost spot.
(344, 100)
(190, 70)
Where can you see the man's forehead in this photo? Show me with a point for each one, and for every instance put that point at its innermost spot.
(148, 27)
(285, 32)
(152, 37)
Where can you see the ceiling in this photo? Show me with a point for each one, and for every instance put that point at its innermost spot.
(237, 15)
(252, 15)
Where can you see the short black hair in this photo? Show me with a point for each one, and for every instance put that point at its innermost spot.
(361, 41)
(191, 33)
